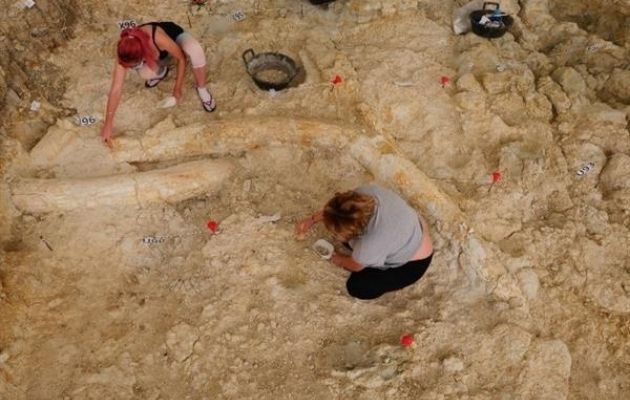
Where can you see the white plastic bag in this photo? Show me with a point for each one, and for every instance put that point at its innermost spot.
(461, 16)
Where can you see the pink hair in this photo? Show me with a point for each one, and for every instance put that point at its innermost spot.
(134, 46)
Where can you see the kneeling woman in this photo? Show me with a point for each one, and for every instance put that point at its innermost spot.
(390, 243)
(146, 49)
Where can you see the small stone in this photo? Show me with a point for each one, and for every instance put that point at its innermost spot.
(529, 283)
(516, 302)
(180, 341)
(452, 365)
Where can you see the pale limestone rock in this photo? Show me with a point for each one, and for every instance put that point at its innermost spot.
(529, 283)
(370, 369)
(365, 11)
(180, 341)
(604, 126)
(121, 374)
(452, 365)
(546, 374)
(483, 57)
(511, 7)
(51, 147)
(496, 83)
(515, 264)
(607, 282)
(471, 101)
(555, 94)
(505, 347)
(510, 343)
(486, 272)
(619, 84)
(538, 107)
(535, 13)
(468, 82)
(506, 289)
(509, 106)
(616, 173)
(571, 81)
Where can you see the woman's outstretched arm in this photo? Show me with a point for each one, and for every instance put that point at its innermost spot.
(302, 227)
(346, 262)
(113, 99)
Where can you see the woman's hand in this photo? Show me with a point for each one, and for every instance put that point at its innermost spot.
(302, 227)
(106, 135)
(177, 93)
(305, 225)
(346, 262)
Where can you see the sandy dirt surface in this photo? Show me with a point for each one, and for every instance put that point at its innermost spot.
(528, 295)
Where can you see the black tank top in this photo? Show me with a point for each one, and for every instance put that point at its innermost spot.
(170, 28)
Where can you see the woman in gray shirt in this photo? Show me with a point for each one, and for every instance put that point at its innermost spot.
(390, 243)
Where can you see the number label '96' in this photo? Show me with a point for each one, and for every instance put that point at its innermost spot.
(85, 120)
(127, 23)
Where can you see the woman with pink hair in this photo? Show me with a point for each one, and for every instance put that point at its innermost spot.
(147, 49)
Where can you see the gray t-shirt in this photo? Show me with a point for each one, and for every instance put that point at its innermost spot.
(393, 234)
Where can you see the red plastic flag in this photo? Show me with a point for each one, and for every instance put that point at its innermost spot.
(445, 81)
(213, 226)
(496, 176)
(406, 340)
(337, 80)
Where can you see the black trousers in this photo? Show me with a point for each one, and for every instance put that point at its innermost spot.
(370, 283)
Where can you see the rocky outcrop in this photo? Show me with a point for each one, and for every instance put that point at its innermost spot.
(27, 36)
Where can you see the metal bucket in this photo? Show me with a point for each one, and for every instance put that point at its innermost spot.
(499, 21)
(270, 70)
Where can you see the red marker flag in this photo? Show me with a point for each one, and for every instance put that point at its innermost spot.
(445, 81)
(337, 80)
(496, 176)
(213, 226)
(406, 340)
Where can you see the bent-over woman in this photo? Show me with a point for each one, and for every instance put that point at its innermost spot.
(147, 49)
(389, 241)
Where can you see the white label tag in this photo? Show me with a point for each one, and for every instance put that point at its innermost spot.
(85, 120)
(585, 169)
(127, 23)
(29, 3)
(239, 16)
(153, 239)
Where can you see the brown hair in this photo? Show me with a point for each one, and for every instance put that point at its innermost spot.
(347, 214)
